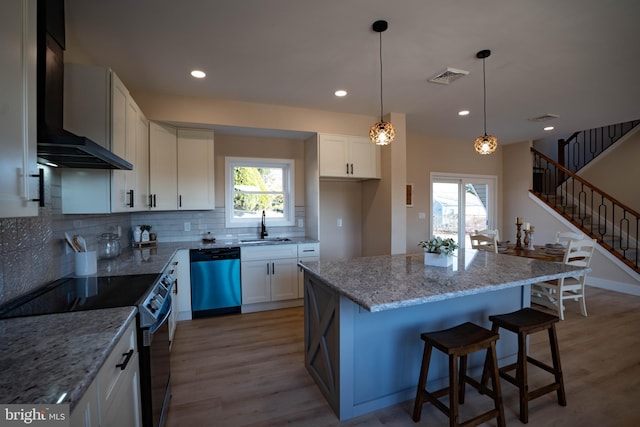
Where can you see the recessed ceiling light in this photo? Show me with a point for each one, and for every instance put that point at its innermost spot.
(340, 93)
(198, 74)
(463, 113)
(549, 128)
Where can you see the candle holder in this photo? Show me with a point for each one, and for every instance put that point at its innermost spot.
(518, 235)
(531, 240)
(526, 239)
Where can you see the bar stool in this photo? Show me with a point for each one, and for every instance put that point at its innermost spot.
(524, 322)
(458, 342)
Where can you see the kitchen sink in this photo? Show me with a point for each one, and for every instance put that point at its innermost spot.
(267, 240)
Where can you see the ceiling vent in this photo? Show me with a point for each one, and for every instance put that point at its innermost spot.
(544, 118)
(447, 76)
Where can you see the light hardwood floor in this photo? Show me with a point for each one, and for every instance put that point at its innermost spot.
(248, 370)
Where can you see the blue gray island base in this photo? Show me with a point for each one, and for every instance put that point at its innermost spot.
(366, 355)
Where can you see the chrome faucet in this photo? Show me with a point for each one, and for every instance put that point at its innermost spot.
(263, 227)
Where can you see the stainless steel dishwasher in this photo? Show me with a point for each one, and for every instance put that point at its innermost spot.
(215, 281)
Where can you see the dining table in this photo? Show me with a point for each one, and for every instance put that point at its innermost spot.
(549, 252)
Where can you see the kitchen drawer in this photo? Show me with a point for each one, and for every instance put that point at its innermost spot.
(268, 252)
(306, 250)
(110, 374)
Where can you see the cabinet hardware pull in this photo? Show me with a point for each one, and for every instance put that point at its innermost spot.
(347, 168)
(40, 176)
(127, 357)
(131, 198)
(175, 287)
(351, 168)
(150, 201)
(154, 200)
(267, 269)
(273, 268)
(180, 201)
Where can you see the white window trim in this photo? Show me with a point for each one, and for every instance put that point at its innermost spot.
(288, 180)
(462, 179)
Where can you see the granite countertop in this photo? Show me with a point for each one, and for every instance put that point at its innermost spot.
(44, 357)
(54, 358)
(392, 281)
(149, 260)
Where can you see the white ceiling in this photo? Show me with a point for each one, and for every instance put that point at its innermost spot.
(578, 59)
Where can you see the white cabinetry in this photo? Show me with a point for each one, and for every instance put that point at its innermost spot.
(18, 109)
(181, 168)
(99, 106)
(163, 167)
(181, 294)
(195, 169)
(113, 399)
(306, 252)
(269, 273)
(343, 156)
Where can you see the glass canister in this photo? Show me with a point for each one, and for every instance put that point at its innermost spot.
(109, 245)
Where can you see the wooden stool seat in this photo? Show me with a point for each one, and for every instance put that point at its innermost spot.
(524, 322)
(458, 342)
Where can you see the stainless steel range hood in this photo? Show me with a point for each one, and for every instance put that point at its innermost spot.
(56, 145)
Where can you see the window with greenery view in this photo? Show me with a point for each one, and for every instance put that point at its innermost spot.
(256, 185)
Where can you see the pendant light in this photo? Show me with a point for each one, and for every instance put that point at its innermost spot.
(381, 133)
(485, 144)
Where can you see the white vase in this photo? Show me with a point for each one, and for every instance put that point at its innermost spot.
(437, 260)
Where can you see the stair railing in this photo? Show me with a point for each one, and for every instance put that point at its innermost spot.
(584, 146)
(598, 214)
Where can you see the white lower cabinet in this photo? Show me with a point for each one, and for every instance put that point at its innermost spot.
(181, 294)
(306, 252)
(113, 398)
(269, 273)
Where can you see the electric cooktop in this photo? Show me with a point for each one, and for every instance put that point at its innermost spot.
(81, 293)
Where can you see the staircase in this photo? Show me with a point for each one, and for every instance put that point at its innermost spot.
(599, 215)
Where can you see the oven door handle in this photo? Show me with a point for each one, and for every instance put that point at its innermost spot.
(165, 311)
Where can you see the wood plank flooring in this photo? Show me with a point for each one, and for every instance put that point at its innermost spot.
(248, 370)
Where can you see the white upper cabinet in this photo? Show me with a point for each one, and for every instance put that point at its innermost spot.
(181, 165)
(343, 156)
(18, 109)
(98, 105)
(195, 169)
(163, 167)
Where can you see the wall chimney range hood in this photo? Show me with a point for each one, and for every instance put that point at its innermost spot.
(56, 145)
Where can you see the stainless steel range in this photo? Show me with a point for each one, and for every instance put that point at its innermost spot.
(151, 293)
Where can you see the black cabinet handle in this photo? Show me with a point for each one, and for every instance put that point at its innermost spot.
(267, 269)
(180, 201)
(40, 176)
(273, 268)
(131, 198)
(347, 168)
(351, 168)
(127, 357)
(154, 200)
(150, 201)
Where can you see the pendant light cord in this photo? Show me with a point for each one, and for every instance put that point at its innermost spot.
(484, 87)
(381, 105)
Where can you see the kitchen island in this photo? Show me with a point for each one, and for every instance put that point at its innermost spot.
(364, 316)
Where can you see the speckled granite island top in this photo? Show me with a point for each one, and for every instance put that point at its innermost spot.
(53, 358)
(392, 281)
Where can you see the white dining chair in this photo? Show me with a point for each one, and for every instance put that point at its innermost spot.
(489, 232)
(552, 294)
(562, 237)
(484, 242)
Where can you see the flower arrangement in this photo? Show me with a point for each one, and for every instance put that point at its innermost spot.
(438, 245)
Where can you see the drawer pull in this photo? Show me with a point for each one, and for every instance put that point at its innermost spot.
(127, 357)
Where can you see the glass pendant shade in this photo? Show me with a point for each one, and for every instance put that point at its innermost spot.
(382, 133)
(486, 144)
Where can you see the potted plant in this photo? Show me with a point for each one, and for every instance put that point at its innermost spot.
(438, 251)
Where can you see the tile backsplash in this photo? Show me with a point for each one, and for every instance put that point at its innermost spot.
(33, 251)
